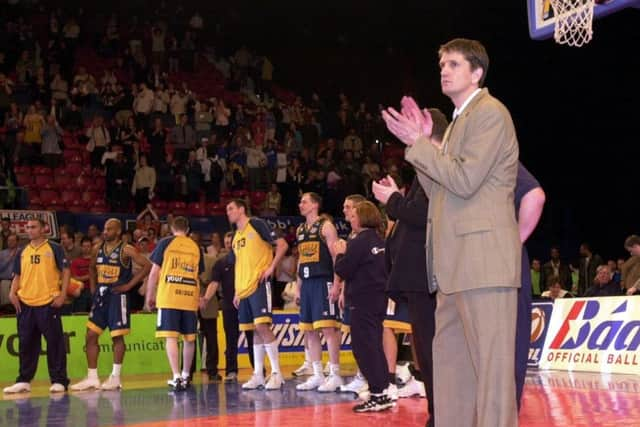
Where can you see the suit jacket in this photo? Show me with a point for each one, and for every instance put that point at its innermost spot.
(564, 272)
(404, 249)
(587, 272)
(472, 234)
(630, 272)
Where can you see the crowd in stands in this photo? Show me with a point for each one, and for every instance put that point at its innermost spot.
(152, 110)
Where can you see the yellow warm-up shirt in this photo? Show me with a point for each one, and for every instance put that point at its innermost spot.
(40, 270)
(181, 261)
(253, 253)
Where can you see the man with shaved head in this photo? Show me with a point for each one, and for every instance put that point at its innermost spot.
(110, 278)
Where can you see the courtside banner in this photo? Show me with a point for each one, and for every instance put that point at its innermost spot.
(146, 354)
(540, 318)
(594, 334)
(19, 221)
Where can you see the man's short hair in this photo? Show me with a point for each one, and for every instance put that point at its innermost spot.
(85, 239)
(440, 124)
(180, 223)
(552, 280)
(473, 51)
(240, 203)
(315, 198)
(631, 241)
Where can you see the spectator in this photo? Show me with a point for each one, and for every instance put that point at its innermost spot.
(554, 289)
(33, 123)
(208, 317)
(51, 142)
(178, 104)
(631, 268)
(144, 183)
(256, 161)
(286, 272)
(589, 263)
(98, 140)
(120, 183)
(166, 178)
(143, 105)
(148, 219)
(556, 267)
(193, 175)
(273, 202)
(215, 248)
(6, 230)
(603, 285)
(204, 119)
(94, 233)
(183, 138)
(157, 138)
(72, 119)
(80, 272)
(290, 297)
(222, 114)
(7, 259)
(158, 35)
(613, 266)
(71, 249)
(536, 284)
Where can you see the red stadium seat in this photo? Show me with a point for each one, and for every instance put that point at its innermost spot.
(42, 180)
(54, 205)
(76, 206)
(24, 179)
(160, 206)
(240, 194)
(177, 208)
(63, 181)
(23, 170)
(74, 168)
(90, 196)
(42, 170)
(196, 209)
(216, 209)
(69, 196)
(46, 196)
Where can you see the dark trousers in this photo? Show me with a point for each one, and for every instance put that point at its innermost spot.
(366, 342)
(422, 310)
(523, 327)
(231, 334)
(33, 323)
(209, 330)
(142, 198)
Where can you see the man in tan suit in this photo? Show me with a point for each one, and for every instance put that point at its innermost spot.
(473, 246)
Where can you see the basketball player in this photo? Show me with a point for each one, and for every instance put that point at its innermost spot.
(255, 264)
(110, 278)
(318, 312)
(178, 262)
(38, 295)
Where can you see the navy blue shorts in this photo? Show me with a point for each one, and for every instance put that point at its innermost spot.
(256, 308)
(174, 323)
(316, 311)
(109, 310)
(397, 317)
(346, 319)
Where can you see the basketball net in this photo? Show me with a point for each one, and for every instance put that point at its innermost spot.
(574, 19)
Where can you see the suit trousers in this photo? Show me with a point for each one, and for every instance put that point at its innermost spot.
(422, 307)
(473, 358)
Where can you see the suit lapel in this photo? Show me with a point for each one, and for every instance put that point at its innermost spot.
(452, 135)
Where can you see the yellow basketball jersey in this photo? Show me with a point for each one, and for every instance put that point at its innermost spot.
(253, 253)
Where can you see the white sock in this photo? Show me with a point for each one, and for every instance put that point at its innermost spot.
(274, 357)
(258, 360)
(176, 376)
(317, 369)
(334, 369)
(185, 375)
(117, 367)
(93, 374)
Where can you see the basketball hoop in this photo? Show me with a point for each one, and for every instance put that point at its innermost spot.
(574, 19)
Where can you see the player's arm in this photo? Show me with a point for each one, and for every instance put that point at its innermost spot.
(145, 266)
(93, 271)
(212, 287)
(281, 250)
(152, 285)
(530, 212)
(63, 265)
(13, 293)
(330, 235)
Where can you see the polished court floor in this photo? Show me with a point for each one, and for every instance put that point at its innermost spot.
(551, 399)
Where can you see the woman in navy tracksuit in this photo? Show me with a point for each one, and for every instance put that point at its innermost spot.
(361, 263)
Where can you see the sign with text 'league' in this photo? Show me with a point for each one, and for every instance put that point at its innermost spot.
(594, 334)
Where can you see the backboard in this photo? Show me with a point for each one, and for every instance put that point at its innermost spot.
(542, 19)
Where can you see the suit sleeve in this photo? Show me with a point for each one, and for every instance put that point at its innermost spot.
(348, 263)
(409, 210)
(201, 266)
(465, 173)
(17, 263)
